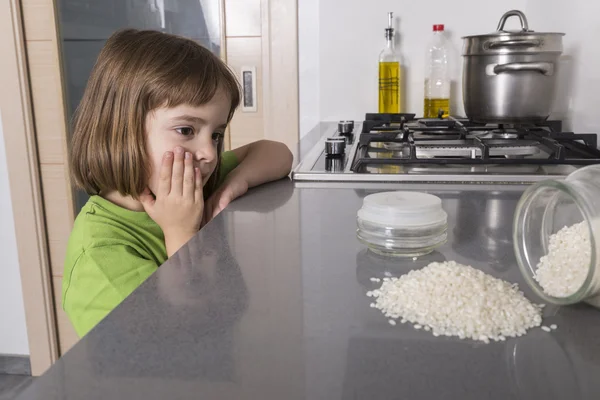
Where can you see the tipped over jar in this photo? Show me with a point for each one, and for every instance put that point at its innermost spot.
(556, 236)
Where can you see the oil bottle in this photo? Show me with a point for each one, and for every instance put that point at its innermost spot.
(390, 73)
(437, 76)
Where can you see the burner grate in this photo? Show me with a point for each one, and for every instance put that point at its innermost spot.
(465, 143)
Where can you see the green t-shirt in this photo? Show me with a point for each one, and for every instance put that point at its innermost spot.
(111, 251)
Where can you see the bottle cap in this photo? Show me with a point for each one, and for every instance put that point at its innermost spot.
(438, 28)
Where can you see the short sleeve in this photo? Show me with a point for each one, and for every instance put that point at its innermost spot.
(228, 163)
(100, 280)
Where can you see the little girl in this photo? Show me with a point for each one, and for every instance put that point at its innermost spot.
(147, 147)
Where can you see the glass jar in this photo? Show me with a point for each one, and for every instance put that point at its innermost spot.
(544, 209)
(405, 224)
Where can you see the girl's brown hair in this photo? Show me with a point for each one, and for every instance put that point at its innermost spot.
(137, 72)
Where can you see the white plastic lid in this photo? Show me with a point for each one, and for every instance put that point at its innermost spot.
(401, 209)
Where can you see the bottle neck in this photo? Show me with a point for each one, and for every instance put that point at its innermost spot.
(438, 36)
(389, 43)
(389, 38)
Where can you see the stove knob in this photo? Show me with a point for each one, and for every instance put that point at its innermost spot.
(335, 146)
(345, 127)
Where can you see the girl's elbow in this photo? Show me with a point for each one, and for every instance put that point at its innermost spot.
(287, 158)
(284, 157)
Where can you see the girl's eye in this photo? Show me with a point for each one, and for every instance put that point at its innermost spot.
(216, 136)
(185, 131)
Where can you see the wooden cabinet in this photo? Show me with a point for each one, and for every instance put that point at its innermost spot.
(47, 54)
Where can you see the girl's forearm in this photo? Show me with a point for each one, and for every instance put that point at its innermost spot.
(264, 161)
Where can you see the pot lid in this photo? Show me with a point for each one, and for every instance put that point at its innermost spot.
(504, 41)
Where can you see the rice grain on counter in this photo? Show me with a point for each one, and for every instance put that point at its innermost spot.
(458, 300)
(563, 270)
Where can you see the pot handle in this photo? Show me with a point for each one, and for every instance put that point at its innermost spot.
(513, 43)
(541, 67)
(513, 13)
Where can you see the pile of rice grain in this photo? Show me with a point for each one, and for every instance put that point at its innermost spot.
(457, 300)
(563, 270)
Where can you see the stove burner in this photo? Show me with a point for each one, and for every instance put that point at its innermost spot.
(399, 139)
(460, 148)
(504, 134)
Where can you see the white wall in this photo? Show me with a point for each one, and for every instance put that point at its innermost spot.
(579, 83)
(13, 331)
(338, 68)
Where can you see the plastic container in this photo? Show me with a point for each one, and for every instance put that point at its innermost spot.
(437, 76)
(543, 210)
(407, 224)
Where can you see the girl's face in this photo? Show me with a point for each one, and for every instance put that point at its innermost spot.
(196, 129)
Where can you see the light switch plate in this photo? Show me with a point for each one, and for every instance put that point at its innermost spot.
(248, 80)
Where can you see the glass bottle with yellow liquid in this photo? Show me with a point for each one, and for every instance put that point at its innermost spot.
(437, 76)
(390, 74)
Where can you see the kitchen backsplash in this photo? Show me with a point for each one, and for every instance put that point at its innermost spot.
(339, 43)
(579, 82)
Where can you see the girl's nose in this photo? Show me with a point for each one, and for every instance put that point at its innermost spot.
(206, 152)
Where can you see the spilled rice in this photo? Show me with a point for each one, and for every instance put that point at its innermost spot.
(450, 299)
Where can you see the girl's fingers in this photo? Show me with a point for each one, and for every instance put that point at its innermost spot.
(189, 177)
(224, 200)
(164, 177)
(147, 199)
(178, 169)
(198, 189)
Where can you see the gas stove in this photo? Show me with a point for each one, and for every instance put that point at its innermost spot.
(401, 148)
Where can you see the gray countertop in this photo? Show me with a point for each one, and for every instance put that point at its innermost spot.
(268, 302)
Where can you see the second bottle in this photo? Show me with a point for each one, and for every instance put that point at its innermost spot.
(437, 76)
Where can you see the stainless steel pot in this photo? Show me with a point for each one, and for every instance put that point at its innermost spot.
(510, 76)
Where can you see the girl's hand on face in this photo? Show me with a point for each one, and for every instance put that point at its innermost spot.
(231, 189)
(179, 203)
